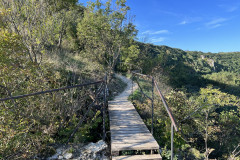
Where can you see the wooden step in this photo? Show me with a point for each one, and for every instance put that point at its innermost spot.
(138, 157)
(116, 147)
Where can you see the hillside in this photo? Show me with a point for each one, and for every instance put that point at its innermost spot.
(46, 45)
(202, 89)
(191, 69)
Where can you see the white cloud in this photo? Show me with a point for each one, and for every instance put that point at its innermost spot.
(229, 8)
(215, 26)
(171, 13)
(188, 20)
(183, 22)
(159, 39)
(146, 32)
(152, 36)
(155, 32)
(232, 9)
(216, 23)
(161, 32)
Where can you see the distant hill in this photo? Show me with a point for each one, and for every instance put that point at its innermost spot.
(191, 69)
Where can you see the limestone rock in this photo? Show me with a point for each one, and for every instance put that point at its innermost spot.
(68, 155)
(93, 151)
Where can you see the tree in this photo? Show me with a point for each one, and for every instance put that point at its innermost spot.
(209, 121)
(40, 24)
(104, 32)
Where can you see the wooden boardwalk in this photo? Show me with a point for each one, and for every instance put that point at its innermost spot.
(128, 131)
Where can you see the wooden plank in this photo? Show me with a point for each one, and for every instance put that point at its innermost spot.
(127, 136)
(134, 146)
(129, 116)
(127, 132)
(126, 116)
(123, 123)
(123, 138)
(144, 142)
(115, 121)
(120, 128)
(131, 137)
(141, 125)
(129, 129)
(139, 157)
(141, 139)
(125, 109)
(129, 121)
(122, 116)
(127, 113)
(133, 141)
(118, 122)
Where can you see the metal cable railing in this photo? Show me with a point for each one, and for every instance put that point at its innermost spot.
(49, 91)
(86, 113)
(170, 114)
(102, 89)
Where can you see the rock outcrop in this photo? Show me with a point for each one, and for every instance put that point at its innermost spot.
(93, 151)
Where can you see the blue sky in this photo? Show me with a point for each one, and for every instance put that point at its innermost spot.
(196, 25)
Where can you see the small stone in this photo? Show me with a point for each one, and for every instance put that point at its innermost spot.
(59, 150)
(60, 157)
(104, 157)
(55, 156)
(68, 155)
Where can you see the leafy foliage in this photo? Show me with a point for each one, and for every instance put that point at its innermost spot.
(207, 122)
(29, 124)
(104, 33)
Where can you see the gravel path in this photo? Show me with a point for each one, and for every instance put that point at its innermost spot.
(126, 93)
